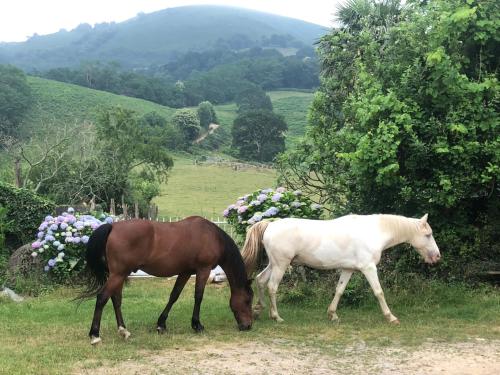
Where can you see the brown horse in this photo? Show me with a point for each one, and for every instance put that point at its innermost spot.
(190, 246)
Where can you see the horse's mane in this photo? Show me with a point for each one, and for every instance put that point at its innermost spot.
(233, 261)
(401, 227)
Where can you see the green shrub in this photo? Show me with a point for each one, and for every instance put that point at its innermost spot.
(25, 212)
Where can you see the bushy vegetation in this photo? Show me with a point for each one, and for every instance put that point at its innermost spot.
(24, 211)
(406, 121)
(270, 204)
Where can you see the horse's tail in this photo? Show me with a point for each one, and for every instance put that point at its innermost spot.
(253, 246)
(96, 272)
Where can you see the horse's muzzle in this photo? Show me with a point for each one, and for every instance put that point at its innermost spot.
(244, 327)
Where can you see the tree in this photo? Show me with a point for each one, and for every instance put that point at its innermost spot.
(253, 99)
(15, 99)
(406, 121)
(259, 135)
(206, 114)
(187, 122)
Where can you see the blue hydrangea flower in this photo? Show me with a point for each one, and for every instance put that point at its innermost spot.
(71, 210)
(48, 218)
(54, 227)
(255, 203)
(276, 197)
(56, 243)
(262, 197)
(109, 220)
(51, 262)
(272, 211)
(64, 226)
(40, 234)
(85, 239)
(60, 247)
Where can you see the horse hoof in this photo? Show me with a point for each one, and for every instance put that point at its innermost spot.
(123, 332)
(333, 317)
(395, 321)
(161, 330)
(95, 340)
(278, 319)
(198, 328)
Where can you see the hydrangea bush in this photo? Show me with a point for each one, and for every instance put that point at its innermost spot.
(270, 204)
(61, 242)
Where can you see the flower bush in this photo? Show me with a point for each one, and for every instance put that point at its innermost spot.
(270, 204)
(61, 242)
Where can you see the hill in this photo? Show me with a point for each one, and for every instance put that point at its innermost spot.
(158, 37)
(58, 103)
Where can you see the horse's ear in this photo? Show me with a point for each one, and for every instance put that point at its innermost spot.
(423, 220)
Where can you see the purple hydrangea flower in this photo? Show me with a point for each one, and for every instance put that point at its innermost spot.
(36, 245)
(109, 220)
(94, 225)
(54, 227)
(265, 191)
(60, 218)
(257, 218)
(272, 211)
(51, 262)
(40, 235)
(225, 213)
(255, 203)
(281, 189)
(239, 202)
(50, 238)
(76, 239)
(85, 239)
(276, 197)
(71, 219)
(43, 226)
(64, 226)
(231, 207)
(68, 239)
(262, 197)
(242, 209)
(48, 218)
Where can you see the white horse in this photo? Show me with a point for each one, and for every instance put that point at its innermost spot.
(350, 243)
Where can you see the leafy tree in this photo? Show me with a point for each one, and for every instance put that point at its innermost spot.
(187, 122)
(15, 99)
(258, 135)
(406, 121)
(206, 114)
(253, 99)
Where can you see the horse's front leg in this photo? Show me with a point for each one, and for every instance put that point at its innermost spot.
(174, 295)
(201, 281)
(370, 273)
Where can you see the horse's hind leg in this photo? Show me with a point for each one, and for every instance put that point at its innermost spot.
(261, 281)
(201, 281)
(117, 305)
(272, 286)
(113, 284)
(174, 295)
(344, 278)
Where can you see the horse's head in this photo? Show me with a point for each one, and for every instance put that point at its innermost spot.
(241, 304)
(424, 242)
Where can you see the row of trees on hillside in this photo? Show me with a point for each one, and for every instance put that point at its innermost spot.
(406, 121)
(218, 79)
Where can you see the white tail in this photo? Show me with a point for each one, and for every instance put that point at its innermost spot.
(253, 246)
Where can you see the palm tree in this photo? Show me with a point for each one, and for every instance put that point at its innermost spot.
(356, 14)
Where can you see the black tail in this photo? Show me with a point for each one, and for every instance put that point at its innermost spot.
(96, 271)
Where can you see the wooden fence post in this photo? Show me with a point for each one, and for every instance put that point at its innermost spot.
(112, 208)
(136, 210)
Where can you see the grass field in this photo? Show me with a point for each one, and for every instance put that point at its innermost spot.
(208, 189)
(48, 334)
(62, 103)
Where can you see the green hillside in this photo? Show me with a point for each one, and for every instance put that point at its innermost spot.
(59, 103)
(155, 38)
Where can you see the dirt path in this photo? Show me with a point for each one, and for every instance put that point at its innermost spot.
(477, 357)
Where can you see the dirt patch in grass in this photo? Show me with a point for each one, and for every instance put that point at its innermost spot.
(476, 357)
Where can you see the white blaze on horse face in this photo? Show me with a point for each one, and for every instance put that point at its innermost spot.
(424, 242)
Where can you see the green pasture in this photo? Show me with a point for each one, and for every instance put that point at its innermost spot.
(207, 189)
(48, 334)
(57, 103)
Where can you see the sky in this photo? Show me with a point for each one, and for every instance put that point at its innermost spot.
(20, 19)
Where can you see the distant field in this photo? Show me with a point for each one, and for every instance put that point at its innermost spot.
(59, 103)
(208, 189)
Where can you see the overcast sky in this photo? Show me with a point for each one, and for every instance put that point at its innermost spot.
(20, 19)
